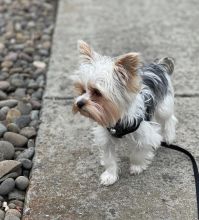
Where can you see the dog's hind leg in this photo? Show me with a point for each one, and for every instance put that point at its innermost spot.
(165, 116)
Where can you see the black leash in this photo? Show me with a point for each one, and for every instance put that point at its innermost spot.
(194, 164)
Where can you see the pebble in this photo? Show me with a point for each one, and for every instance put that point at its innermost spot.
(12, 115)
(34, 115)
(12, 56)
(13, 212)
(23, 121)
(7, 186)
(2, 214)
(18, 203)
(12, 206)
(10, 103)
(13, 128)
(22, 182)
(26, 163)
(7, 64)
(6, 150)
(3, 129)
(27, 153)
(28, 132)
(17, 194)
(3, 95)
(24, 107)
(11, 217)
(17, 140)
(39, 64)
(5, 109)
(4, 85)
(31, 143)
(20, 92)
(2, 116)
(8, 166)
(35, 105)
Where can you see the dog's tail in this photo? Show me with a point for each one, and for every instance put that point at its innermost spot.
(168, 63)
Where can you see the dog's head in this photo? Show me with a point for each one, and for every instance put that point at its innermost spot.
(105, 85)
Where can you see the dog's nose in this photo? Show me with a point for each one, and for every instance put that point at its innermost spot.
(80, 104)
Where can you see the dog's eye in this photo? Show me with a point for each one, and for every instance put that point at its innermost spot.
(96, 92)
(83, 91)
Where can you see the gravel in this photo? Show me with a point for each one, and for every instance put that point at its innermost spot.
(26, 29)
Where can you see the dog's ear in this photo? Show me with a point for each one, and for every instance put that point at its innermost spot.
(126, 70)
(129, 62)
(86, 53)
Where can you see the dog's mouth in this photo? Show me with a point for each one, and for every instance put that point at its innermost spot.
(92, 113)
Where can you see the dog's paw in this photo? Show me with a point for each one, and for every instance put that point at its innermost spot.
(137, 169)
(108, 178)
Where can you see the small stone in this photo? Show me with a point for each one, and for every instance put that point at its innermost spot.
(26, 163)
(3, 95)
(17, 194)
(12, 115)
(2, 116)
(20, 92)
(11, 217)
(39, 64)
(3, 129)
(23, 121)
(4, 85)
(22, 182)
(28, 132)
(18, 203)
(13, 128)
(7, 64)
(10, 103)
(12, 206)
(2, 214)
(24, 107)
(16, 139)
(31, 143)
(35, 105)
(34, 115)
(26, 173)
(16, 70)
(13, 212)
(27, 153)
(12, 56)
(6, 150)
(2, 47)
(7, 186)
(1, 198)
(5, 109)
(8, 166)
(35, 124)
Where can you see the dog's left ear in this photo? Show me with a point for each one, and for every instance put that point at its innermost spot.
(129, 62)
(85, 51)
(126, 70)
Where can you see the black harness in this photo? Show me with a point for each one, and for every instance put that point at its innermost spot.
(119, 130)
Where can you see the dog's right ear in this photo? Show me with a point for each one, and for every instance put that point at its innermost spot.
(86, 53)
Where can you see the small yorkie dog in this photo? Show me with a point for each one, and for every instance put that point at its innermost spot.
(128, 100)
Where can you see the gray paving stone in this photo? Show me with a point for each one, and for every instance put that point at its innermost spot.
(65, 185)
(154, 28)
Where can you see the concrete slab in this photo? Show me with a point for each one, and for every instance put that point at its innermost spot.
(64, 183)
(154, 28)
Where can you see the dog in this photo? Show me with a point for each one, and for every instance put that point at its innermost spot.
(131, 102)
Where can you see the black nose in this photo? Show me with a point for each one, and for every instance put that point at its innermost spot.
(80, 104)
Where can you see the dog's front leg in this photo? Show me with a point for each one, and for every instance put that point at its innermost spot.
(108, 156)
(110, 175)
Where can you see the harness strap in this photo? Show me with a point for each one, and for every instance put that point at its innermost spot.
(194, 164)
